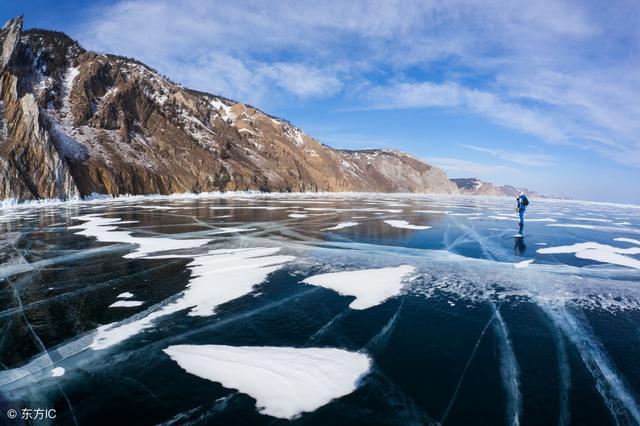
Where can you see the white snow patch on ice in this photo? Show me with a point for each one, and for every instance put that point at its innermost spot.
(432, 211)
(627, 240)
(523, 264)
(154, 207)
(285, 382)
(370, 287)
(571, 225)
(247, 207)
(591, 219)
(57, 372)
(230, 230)
(501, 217)
(598, 252)
(126, 304)
(104, 230)
(216, 278)
(404, 224)
(379, 211)
(125, 295)
(341, 226)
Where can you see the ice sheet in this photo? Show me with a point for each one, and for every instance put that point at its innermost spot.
(370, 287)
(284, 381)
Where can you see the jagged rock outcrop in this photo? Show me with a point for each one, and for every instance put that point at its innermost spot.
(30, 164)
(76, 122)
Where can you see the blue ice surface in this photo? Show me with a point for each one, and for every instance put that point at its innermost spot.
(468, 323)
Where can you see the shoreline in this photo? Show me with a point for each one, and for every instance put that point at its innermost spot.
(12, 203)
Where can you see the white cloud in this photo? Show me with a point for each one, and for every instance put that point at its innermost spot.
(456, 167)
(251, 82)
(454, 96)
(301, 80)
(564, 71)
(525, 158)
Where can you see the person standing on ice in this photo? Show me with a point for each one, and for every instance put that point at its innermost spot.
(523, 202)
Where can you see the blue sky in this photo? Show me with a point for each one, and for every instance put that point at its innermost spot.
(540, 94)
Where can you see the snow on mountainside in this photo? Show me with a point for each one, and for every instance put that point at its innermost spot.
(75, 122)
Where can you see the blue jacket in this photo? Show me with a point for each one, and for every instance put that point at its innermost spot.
(521, 205)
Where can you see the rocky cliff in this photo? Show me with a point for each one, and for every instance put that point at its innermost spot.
(74, 122)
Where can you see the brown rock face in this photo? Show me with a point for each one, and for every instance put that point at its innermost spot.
(76, 123)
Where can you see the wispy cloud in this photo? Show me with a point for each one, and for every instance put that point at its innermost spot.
(456, 167)
(529, 159)
(454, 96)
(563, 71)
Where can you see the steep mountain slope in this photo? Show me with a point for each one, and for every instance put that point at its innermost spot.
(76, 122)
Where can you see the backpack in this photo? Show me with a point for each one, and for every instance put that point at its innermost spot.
(525, 201)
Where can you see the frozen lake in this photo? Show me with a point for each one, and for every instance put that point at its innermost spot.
(339, 309)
